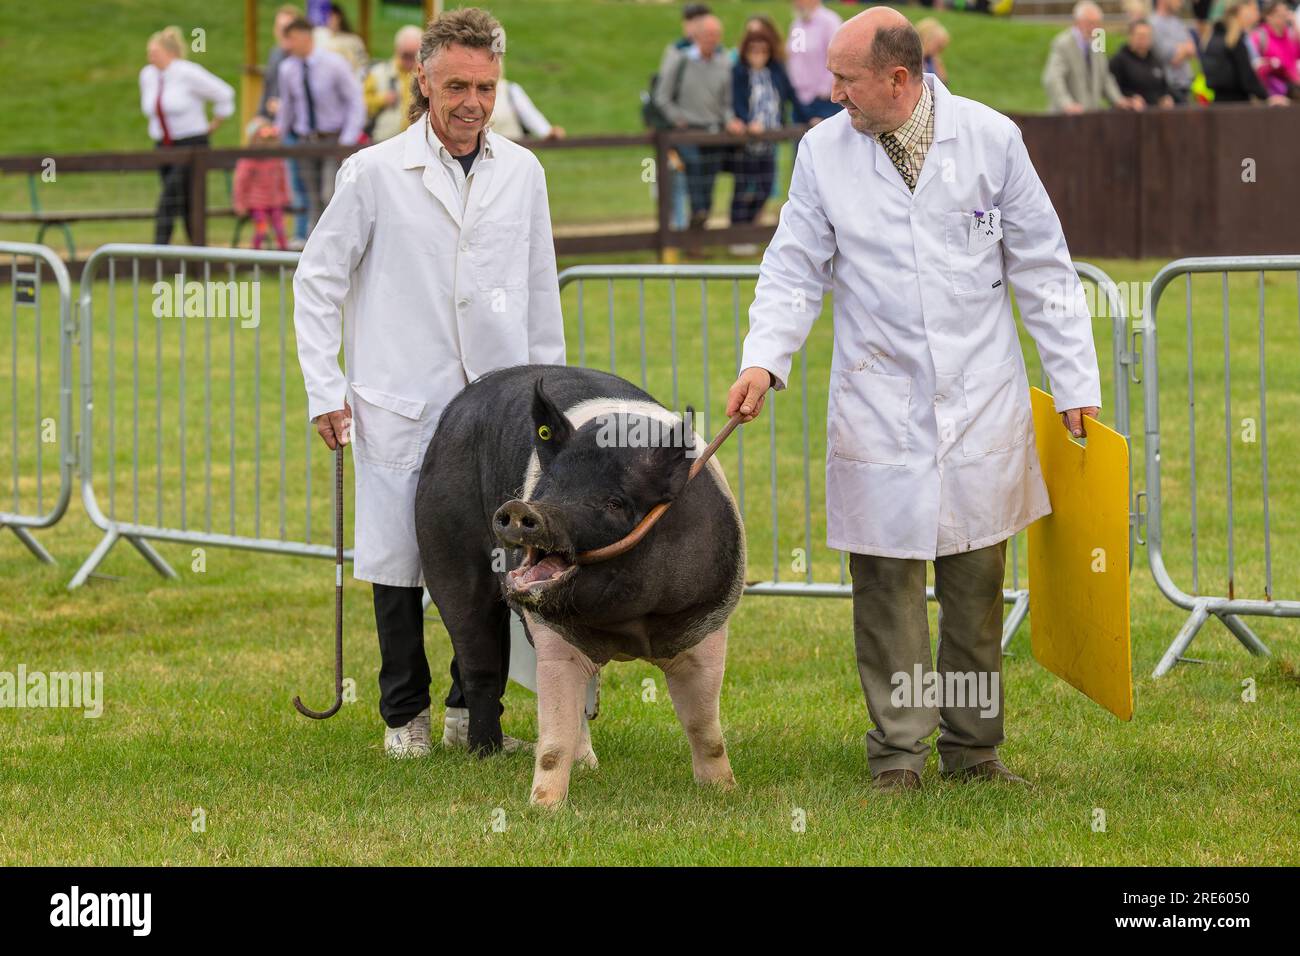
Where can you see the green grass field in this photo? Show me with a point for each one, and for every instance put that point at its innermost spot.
(199, 673)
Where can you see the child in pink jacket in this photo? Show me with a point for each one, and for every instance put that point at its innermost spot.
(262, 186)
(1279, 51)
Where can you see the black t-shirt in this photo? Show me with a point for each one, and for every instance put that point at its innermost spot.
(467, 160)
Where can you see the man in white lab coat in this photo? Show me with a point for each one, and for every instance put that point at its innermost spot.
(919, 208)
(432, 265)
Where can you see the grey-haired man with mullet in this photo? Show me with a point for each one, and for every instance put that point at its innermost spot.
(437, 248)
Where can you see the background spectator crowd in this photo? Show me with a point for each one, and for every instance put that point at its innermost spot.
(1243, 54)
(321, 87)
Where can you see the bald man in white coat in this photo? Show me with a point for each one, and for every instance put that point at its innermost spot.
(921, 209)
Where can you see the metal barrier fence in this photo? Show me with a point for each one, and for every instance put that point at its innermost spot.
(158, 426)
(699, 376)
(1228, 608)
(181, 429)
(28, 395)
(195, 440)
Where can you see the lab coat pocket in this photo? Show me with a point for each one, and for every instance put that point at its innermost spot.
(871, 417)
(970, 272)
(386, 428)
(997, 409)
(500, 251)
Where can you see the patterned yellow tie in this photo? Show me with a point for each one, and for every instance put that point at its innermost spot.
(894, 150)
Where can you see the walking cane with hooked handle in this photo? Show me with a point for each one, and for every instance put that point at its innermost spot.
(338, 598)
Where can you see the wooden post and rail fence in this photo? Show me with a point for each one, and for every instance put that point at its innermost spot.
(1163, 183)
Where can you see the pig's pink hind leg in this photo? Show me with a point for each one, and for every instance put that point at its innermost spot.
(562, 675)
(695, 685)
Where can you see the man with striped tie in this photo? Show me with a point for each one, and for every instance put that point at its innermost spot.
(321, 104)
(920, 209)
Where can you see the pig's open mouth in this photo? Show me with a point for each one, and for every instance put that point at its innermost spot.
(539, 571)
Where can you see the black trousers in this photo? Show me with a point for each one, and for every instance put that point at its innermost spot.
(703, 163)
(403, 667)
(174, 201)
(754, 170)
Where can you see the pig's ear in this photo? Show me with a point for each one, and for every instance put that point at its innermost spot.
(670, 468)
(674, 464)
(551, 428)
(678, 472)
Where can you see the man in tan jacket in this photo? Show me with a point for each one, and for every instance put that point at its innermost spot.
(1077, 76)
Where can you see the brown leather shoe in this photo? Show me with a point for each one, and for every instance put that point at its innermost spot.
(896, 781)
(988, 770)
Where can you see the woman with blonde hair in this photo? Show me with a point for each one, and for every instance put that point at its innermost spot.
(934, 40)
(1228, 60)
(174, 94)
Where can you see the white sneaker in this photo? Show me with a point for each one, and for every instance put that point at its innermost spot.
(455, 732)
(412, 739)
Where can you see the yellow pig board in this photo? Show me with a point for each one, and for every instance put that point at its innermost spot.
(1078, 561)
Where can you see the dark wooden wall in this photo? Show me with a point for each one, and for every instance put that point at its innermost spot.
(1168, 183)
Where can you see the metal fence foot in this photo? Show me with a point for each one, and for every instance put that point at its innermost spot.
(1016, 617)
(34, 546)
(106, 544)
(153, 557)
(1199, 614)
(1242, 632)
(88, 566)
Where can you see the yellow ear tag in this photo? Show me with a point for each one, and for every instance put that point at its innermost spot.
(544, 432)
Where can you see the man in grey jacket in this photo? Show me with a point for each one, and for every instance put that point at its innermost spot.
(1174, 47)
(1077, 76)
(694, 92)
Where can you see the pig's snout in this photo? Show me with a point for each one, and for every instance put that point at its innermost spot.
(518, 524)
(548, 557)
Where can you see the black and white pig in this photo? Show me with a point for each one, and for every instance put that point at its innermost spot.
(521, 476)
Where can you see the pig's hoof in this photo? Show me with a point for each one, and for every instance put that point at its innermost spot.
(547, 796)
(587, 759)
(722, 778)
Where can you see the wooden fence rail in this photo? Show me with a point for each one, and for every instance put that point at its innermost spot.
(1162, 183)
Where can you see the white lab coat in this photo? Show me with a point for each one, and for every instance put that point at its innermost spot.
(930, 444)
(425, 297)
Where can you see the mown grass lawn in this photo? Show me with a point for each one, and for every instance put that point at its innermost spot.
(199, 672)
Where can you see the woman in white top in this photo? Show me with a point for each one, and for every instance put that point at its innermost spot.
(515, 117)
(174, 94)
